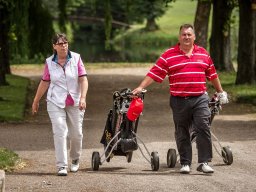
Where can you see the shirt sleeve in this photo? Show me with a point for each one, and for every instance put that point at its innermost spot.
(211, 71)
(81, 68)
(46, 75)
(159, 70)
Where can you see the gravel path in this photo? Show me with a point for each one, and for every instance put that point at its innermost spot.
(32, 140)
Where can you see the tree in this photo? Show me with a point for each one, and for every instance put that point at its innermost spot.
(254, 32)
(220, 47)
(150, 10)
(246, 47)
(19, 47)
(108, 23)
(39, 35)
(202, 21)
(62, 5)
(5, 12)
(98, 16)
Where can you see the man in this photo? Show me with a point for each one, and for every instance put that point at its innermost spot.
(188, 66)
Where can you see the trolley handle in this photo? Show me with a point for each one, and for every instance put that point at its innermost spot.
(215, 105)
(131, 95)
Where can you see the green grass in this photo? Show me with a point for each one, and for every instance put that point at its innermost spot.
(179, 12)
(13, 98)
(156, 42)
(9, 160)
(237, 93)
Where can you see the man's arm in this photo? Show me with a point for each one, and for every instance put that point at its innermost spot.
(216, 83)
(146, 82)
(222, 95)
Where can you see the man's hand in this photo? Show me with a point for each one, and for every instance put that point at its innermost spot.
(223, 97)
(137, 90)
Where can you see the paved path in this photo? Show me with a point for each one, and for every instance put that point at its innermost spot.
(32, 140)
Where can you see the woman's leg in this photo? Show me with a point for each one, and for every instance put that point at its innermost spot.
(60, 131)
(75, 125)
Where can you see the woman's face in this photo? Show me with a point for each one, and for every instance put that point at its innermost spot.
(61, 47)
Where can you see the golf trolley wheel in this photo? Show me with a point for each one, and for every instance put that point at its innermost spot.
(95, 161)
(171, 158)
(227, 155)
(154, 161)
(129, 156)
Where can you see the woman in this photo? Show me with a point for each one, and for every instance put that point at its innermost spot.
(65, 78)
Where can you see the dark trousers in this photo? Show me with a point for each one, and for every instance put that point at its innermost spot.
(187, 113)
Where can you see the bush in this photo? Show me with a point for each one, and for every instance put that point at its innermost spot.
(8, 159)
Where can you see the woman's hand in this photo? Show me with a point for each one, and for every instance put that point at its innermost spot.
(82, 104)
(35, 107)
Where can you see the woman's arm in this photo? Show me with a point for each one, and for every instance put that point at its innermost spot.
(83, 81)
(42, 88)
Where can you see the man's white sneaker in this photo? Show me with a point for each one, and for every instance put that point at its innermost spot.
(185, 169)
(62, 171)
(205, 168)
(74, 165)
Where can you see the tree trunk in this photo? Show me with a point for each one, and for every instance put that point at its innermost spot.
(4, 46)
(254, 32)
(62, 4)
(220, 47)
(201, 22)
(246, 47)
(151, 25)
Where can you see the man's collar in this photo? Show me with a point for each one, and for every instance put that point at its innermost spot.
(195, 47)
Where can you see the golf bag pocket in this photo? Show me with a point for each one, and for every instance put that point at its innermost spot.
(108, 133)
(128, 145)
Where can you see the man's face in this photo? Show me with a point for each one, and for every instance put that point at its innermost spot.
(187, 37)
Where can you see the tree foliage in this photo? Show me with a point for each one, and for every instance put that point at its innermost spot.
(108, 21)
(39, 37)
(62, 5)
(27, 26)
(149, 10)
(20, 29)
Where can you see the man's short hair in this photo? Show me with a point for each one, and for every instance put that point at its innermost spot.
(186, 26)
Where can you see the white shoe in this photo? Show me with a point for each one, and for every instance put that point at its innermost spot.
(205, 168)
(62, 171)
(74, 165)
(185, 169)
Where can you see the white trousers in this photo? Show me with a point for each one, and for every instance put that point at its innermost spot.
(67, 124)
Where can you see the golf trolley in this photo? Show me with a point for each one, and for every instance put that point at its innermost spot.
(225, 153)
(120, 134)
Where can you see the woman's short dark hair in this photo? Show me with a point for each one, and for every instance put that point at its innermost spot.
(59, 36)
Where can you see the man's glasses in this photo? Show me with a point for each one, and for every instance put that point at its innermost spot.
(61, 44)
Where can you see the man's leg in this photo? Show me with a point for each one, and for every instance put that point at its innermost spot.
(201, 116)
(181, 117)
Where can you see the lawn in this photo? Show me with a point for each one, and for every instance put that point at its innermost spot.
(13, 98)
